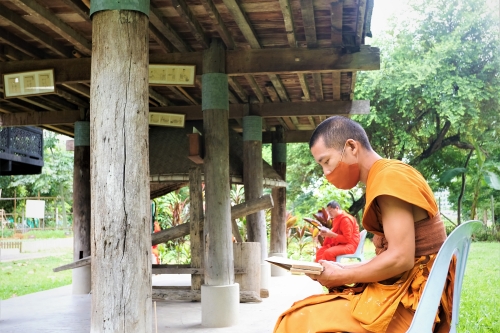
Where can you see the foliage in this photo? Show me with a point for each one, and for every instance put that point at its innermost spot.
(56, 180)
(437, 94)
(23, 277)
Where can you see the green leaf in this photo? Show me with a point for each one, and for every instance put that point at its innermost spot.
(492, 179)
(448, 175)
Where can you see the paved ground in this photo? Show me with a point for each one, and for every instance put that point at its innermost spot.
(58, 311)
(24, 256)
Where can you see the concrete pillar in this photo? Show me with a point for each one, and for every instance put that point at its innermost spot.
(81, 206)
(253, 181)
(219, 294)
(119, 141)
(278, 212)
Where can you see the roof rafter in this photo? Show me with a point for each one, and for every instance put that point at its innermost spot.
(159, 22)
(219, 24)
(185, 12)
(336, 13)
(56, 24)
(304, 86)
(289, 25)
(35, 33)
(307, 10)
(318, 86)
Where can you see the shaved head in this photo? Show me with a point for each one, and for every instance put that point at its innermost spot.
(336, 130)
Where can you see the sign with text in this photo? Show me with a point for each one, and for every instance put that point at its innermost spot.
(172, 75)
(29, 83)
(166, 119)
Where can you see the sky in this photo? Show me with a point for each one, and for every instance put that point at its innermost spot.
(382, 10)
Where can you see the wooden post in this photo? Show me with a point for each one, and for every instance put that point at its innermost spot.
(219, 295)
(196, 224)
(81, 206)
(247, 256)
(278, 213)
(121, 211)
(253, 181)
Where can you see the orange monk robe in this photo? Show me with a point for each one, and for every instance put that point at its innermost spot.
(346, 242)
(154, 250)
(378, 308)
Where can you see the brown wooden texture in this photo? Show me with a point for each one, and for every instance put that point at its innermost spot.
(121, 209)
(219, 269)
(81, 203)
(252, 179)
(278, 212)
(176, 294)
(247, 256)
(79, 263)
(196, 224)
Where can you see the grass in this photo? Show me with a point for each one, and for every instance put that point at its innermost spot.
(23, 277)
(479, 312)
(39, 234)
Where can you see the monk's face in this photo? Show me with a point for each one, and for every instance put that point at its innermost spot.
(327, 158)
(332, 212)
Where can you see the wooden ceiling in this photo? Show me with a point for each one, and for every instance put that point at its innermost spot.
(303, 52)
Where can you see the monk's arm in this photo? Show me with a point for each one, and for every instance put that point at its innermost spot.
(397, 220)
(346, 230)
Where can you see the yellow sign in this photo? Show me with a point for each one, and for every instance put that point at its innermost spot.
(166, 119)
(29, 83)
(172, 75)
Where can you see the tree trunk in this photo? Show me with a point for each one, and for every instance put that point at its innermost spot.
(462, 191)
(121, 211)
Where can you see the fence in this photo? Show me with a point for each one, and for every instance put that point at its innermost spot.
(16, 244)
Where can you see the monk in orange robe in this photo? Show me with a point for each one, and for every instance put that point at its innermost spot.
(343, 238)
(380, 295)
(154, 250)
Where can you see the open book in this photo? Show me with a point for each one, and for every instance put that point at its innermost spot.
(296, 266)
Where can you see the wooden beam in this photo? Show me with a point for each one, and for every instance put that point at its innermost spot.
(79, 88)
(290, 136)
(79, 263)
(72, 98)
(14, 54)
(237, 211)
(52, 21)
(311, 121)
(162, 100)
(336, 85)
(156, 18)
(243, 22)
(218, 23)
(307, 10)
(318, 86)
(39, 118)
(361, 21)
(336, 13)
(240, 62)
(280, 89)
(189, 97)
(353, 85)
(289, 124)
(304, 86)
(56, 102)
(289, 25)
(232, 97)
(295, 122)
(238, 89)
(78, 7)
(161, 39)
(58, 130)
(18, 43)
(187, 15)
(272, 93)
(255, 87)
(33, 32)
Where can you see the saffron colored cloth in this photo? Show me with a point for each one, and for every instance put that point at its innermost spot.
(346, 242)
(383, 307)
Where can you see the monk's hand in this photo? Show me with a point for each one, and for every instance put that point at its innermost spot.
(331, 275)
(325, 232)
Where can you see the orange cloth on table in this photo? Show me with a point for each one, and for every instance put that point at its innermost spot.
(346, 242)
(378, 307)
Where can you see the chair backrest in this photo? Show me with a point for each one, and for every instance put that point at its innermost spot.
(457, 243)
(360, 248)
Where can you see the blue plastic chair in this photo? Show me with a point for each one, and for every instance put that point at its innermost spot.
(457, 243)
(359, 251)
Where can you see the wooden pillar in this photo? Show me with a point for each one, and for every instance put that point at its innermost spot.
(278, 213)
(219, 295)
(253, 181)
(81, 206)
(196, 225)
(121, 211)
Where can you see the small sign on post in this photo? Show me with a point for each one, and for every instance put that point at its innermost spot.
(172, 75)
(29, 83)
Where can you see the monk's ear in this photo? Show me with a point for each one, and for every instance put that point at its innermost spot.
(354, 145)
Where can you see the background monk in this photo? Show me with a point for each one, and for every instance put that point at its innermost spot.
(402, 213)
(343, 238)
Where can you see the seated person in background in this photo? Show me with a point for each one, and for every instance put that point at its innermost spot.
(342, 239)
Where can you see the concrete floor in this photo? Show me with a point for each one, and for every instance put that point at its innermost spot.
(58, 311)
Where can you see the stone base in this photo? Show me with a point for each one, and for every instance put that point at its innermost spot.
(82, 280)
(265, 279)
(275, 270)
(220, 305)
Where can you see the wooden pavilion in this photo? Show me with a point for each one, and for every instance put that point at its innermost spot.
(269, 69)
